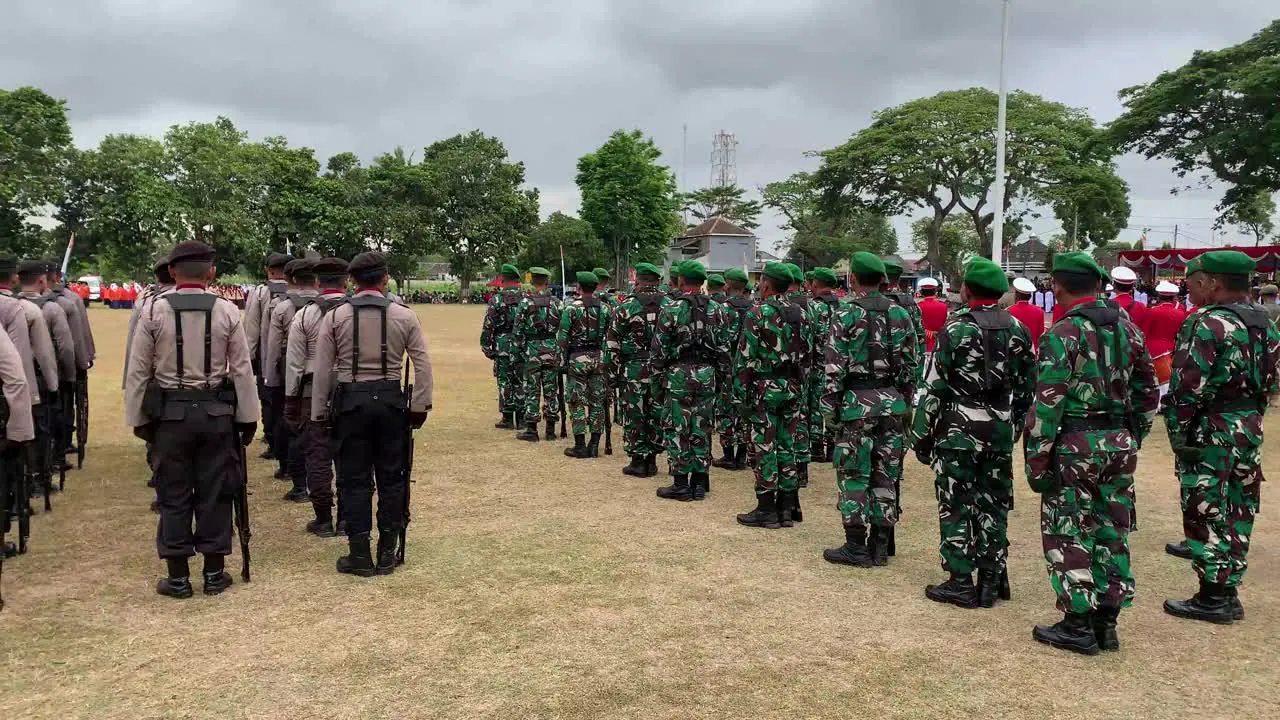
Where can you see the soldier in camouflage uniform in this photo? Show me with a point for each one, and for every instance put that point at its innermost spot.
(606, 294)
(770, 367)
(498, 343)
(537, 322)
(627, 342)
(688, 350)
(1224, 375)
(1096, 395)
(977, 393)
(798, 296)
(870, 379)
(1198, 294)
(715, 288)
(822, 308)
(581, 336)
(733, 428)
(895, 291)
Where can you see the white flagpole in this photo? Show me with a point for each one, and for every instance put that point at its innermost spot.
(564, 280)
(66, 256)
(997, 232)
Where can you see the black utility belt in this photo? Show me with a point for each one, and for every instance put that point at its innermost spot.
(196, 396)
(1092, 423)
(371, 386)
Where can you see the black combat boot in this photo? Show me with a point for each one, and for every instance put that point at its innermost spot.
(784, 510)
(1237, 610)
(816, 451)
(699, 485)
(678, 489)
(322, 526)
(958, 591)
(358, 562)
(178, 584)
(297, 495)
(1179, 550)
(579, 449)
(267, 454)
(1104, 627)
(766, 513)
(530, 433)
(1074, 633)
(789, 502)
(726, 461)
(216, 579)
(551, 430)
(637, 466)
(280, 474)
(651, 465)
(8, 550)
(387, 542)
(593, 445)
(803, 470)
(1004, 585)
(1211, 604)
(988, 588)
(155, 506)
(853, 552)
(507, 422)
(740, 460)
(878, 545)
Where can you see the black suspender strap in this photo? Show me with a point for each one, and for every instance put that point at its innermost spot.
(202, 303)
(361, 301)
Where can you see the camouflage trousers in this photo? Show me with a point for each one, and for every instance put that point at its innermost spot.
(641, 418)
(772, 444)
(585, 394)
(818, 431)
(733, 428)
(688, 415)
(804, 417)
(1222, 489)
(975, 494)
(541, 383)
(510, 375)
(1084, 529)
(868, 463)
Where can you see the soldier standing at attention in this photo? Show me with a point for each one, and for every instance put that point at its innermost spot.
(365, 340)
(70, 392)
(822, 309)
(730, 423)
(870, 379)
(194, 401)
(1224, 375)
(627, 341)
(25, 325)
(162, 285)
(715, 288)
(604, 292)
(302, 292)
(498, 343)
(688, 351)
(537, 322)
(257, 311)
(581, 335)
(34, 277)
(300, 371)
(898, 292)
(798, 296)
(19, 431)
(1095, 398)
(977, 394)
(770, 363)
(1197, 293)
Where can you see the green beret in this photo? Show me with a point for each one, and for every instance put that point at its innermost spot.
(865, 263)
(601, 273)
(1227, 262)
(825, 275)
(892, 266)
(693, 271)
(648, 269)
(1194, 266)
(539, 271)
(587, 278)
(797, 275)
(736, 274)
(1078, 262)
(985, 274)
(715, 279)
(510, 272)
(777, 271)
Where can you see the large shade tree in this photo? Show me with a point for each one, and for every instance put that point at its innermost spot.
(819, 237)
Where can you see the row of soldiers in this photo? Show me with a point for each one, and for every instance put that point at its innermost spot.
(46, 352)
(683, 361)
(318, 356)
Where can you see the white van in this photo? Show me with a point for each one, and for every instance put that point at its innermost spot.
(95, 286)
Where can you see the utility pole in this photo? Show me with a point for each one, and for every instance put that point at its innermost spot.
(997, 233)
(1175, 236)
(1075, 225)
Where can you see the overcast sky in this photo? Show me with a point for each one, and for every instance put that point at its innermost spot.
(553, 78)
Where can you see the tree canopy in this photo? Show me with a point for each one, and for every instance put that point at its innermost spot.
(35, 143)
(819, 238)
(582, 249)
(957, 241)
(1254, 213)
(726, 201)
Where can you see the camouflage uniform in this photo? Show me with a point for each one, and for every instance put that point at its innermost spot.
(537, 322)
(627, 341)
(978, 391)
(582, 329)
(822, 308)
(907, 301)
(498, 343)
(798, 297)
(1096, 395)
(730, 424)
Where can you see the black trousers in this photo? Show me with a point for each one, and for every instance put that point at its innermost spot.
(315, 447)
(196, 461)
(267, 415)
(370, 449)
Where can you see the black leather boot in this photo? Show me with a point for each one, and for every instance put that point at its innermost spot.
(816, 452)
(853, 552)
(699, 485)
(1005, 593)
(358, 561)
(791, 500)
(322, 526)
(637, 467)
(178, 584)
(297, 495)
(651, 466)
(740, 458)
(678, 489)
(8, 550)
(803, 470)
(829, 452)
(988, 588)
(1179, 550)
(551, 430)
(1237, 610)
(958, 591)
(530, 433)
(784, 510)
(726, 461)
(593, 445)
(1104, 627)
(1211, 604)
(387, 542)
(507, 422)
(216, 579)
(878, 545)
(579, 449)
(1074, 633)
(766, 513)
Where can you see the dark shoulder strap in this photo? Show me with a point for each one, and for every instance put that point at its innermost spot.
(1100, 316)
(358, 302)
(873, 303)
(992, 318)
(589, 301)
(193, 302)
(301, 301)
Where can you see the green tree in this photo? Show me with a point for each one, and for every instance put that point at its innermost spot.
(1254, 213)
(216, 181)
(284, 199)
(340, 223)
(1217, 114)
(819, 239)
(726, 201)
(582, 249)
(629, 198)
(957, 241)
(478, 208)
(35, 140)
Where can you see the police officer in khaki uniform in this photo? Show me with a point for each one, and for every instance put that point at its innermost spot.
(257, 311)
(190, 391)
(33, 276)
(300, 370)
(72, 390)
(18, 432)
(364, 341)
(302, 292)
(25, 325)
(162, 285)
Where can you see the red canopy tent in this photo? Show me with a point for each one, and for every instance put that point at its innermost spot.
(1267, 257)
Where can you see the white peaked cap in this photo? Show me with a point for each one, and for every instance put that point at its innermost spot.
(1167, 288)
(927, 283)
(1111, 288)
(1024, 285)
(1124, 275)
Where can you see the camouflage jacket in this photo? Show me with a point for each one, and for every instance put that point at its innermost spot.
(720, 297)
(680, 338)
(975, 394)
(1224, 374)
(609, 297)
(871, 361)
(496, 335)
(630, 333)
(537, 323)
(906, 300)
(583, 323)
(1089, 371)
(772, 354)
(822, 308)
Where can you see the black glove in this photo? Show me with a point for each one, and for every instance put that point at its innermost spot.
(246, 431)
(146, 433)
(417, 419)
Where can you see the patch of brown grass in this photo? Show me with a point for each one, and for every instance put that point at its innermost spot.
(538, 586)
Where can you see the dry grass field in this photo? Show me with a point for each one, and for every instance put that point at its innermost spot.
(538, 586)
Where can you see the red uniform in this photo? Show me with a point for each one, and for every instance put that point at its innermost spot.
(1163, 323)
(1032, 317)
(1137, 311)
(933, 315)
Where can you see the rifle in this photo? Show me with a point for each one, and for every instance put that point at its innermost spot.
(4, 515)
(82, 416)
(240, 505)
(67, 400)
(608, 426)
(408, 466)
(560, 381)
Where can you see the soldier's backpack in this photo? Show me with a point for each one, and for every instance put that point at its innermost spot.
(505, 313)
(545, 320)
(995, 383)
(879, 353)
(698, 349)
(795, 354)
(1258, 354)
(593, 333)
